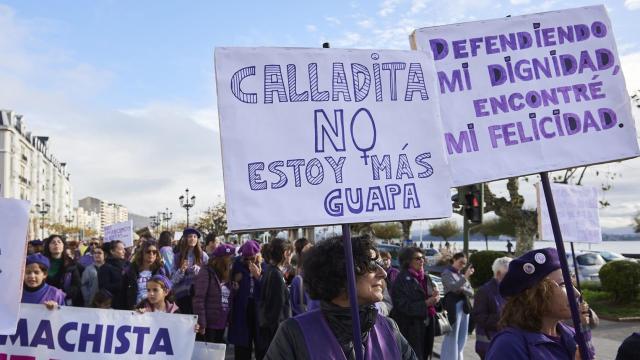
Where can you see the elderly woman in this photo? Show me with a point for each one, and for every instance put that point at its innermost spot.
(326, 333)
(532, 316)
(457, 302)
(414, 298)
(488, 305)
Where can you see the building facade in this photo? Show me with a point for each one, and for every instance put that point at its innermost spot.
(108, 213)
(29, 171)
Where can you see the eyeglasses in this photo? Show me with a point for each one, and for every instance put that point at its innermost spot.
(419, 258)
(372, 265)
(152, 252)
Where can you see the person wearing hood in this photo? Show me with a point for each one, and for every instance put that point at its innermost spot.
(536, 304)
(36, 290)
(64, 273)
(110, 274)
(214, 293)
(188, 261)
(326, 333)
(243, 329)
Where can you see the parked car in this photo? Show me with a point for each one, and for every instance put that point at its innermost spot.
(612, 256)
(431, 256)
(589, 264)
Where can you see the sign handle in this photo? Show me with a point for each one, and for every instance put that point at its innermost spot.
(575, 268)
(351, 287)
(555, 226)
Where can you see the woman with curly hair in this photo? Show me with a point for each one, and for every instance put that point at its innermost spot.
(326, 333)
(145, 264)
(414, 298)
(63, 273)
(532, 316)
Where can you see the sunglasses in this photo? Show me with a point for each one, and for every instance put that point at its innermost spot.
(419, 258)
(152, 252)
(372, 265)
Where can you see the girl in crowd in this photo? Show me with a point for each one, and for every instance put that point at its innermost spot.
(210, 243)
(274, 306)
(213, 294)
(243, 329)
(457, 302)
(102, 299)
(166, 252)
(63, 272)
(146, 263)
(532, 316)
(158, 289)
(392, 272)
(300, 301)
(414, 298)
(188, 261)
(110, 274)
(89, 284)
(36, 290)
(326, 333)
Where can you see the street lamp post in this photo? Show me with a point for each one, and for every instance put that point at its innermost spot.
(155, 222)
(42, 209)
(68, 219)
(166, 216)
(187, 203)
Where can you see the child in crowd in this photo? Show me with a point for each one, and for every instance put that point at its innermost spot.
(158, 288)
(102, 299)
(36, 290)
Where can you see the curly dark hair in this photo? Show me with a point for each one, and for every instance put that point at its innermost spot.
(67, 261)
(325, 277)
(406, 256)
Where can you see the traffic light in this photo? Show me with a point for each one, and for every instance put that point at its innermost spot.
(474, 203)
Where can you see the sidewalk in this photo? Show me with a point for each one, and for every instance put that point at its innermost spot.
(606, 339)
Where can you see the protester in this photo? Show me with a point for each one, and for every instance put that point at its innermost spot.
(536, 304)
(188, 261)
(158, 288)
(166, 252)
(300, 301)
(36, 290)
(274, 306)
(414, 298)
(102, 299)
(89, 282)
(457, 302)
(34, 247)
(328, 330)
(630, 348)
(110, 274)
(243, 329)
(488, 305)
(210, 243)
(145, 264)
(213, 294)
(63, 272)
(392, 272)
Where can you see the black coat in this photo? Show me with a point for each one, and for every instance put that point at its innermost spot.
(410, 310)
(130, 284)
(68, 280)
(110, 278)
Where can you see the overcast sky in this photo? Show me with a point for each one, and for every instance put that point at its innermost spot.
(125, 89)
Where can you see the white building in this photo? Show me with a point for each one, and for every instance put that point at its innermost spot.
(29, 171)
(87, 220)
(108, 213)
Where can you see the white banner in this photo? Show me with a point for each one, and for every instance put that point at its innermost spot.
(14, 221)
(577, 208)
(329, 136)
(122, 231)
(532, 93)
(73, 333)
(208, 351)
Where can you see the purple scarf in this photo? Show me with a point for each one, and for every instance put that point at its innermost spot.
(420, 277)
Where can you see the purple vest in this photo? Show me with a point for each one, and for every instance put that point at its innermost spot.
(322, 344)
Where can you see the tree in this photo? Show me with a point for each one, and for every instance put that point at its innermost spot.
(387, 231)
(445, 229)
(406, 229)
(636, 225)
(214, 220)
(361, 229)
(494, 227)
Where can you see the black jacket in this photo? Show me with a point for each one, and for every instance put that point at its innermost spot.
(130, 283)
(274, 306)
(68, 280)
(110, 278)
(410, 310)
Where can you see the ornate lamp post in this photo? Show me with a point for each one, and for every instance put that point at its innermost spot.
(43, 209)
(68, 219)
(155, 222)
(166, 216)
(187, 203)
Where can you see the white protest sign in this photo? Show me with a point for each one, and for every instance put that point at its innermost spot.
(208, 351)
(14, 221)
(527, 94)
(329, 136)
(577, 208)
(74, 333)
(122, 231)
(177, 235)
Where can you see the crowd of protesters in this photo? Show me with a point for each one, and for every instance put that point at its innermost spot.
(283, 300)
